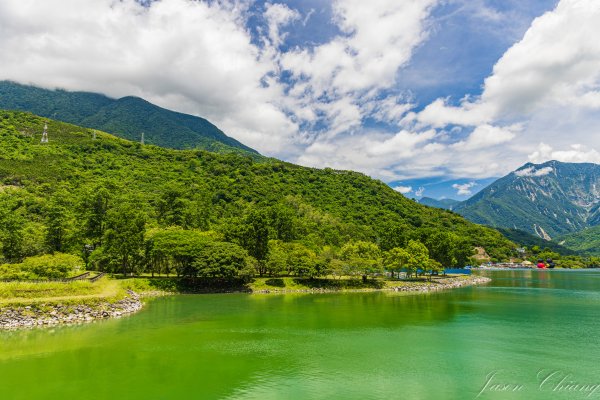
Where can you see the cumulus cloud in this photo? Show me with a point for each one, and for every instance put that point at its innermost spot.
(545, 87)
(309, 103)
(486, 136)
(464, 189)
(531, 171)
(340, 78)
(403, 189)
(191, 56)
(556, 62)
(577, 153)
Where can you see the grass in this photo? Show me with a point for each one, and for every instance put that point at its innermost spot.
(78, 292)
(106, 289)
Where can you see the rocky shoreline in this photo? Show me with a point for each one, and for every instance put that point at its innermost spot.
(407, 286)
(50, 315)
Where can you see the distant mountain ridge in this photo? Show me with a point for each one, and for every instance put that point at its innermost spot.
(446, 204)
(126, 117)
(548, 200)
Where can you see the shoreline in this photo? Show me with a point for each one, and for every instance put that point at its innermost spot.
(59, 314)
(408, 287)
(46, 315)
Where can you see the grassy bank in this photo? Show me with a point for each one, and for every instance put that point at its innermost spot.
(79, 292)
(110, 290)
(291, 284)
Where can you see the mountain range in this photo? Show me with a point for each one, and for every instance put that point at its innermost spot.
(127, 117)
(446, 204)
(554, 205)
(550, 199)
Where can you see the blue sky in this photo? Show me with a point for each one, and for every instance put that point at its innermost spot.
(434, 97)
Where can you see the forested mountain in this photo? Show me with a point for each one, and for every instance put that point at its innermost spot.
(530, 240)
(586, 241)
(89, 188)
(127, 117)
(549, 200)
(446, 204)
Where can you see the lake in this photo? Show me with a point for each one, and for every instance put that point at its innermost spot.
(528, 334)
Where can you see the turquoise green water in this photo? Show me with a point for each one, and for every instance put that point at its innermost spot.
(327, 346)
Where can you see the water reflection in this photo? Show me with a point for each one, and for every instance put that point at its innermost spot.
(329, 346)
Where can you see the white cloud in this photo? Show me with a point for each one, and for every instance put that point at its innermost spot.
(487, 135)
(546, 87)
(577, 153)
(191, 56)
(340, 78)
(464, 189)
(556, 62)
(279, 15)
(420, 191)
(403, 189)
(199, 57)
(531, 171)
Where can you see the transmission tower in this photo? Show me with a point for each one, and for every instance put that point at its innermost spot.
(45, 134)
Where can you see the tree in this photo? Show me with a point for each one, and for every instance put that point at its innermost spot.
(433, 267)
(124, 237)
(11, 232)
(177, 247)
(282, 220)
(396, 259)
(362, 257)
(449, 249)
(393, 235)
(220, 260)
(171, 206)
(303, 261)
(253, 234)
(418, 257)
(59, 227)
(277, 259)
(95, 210)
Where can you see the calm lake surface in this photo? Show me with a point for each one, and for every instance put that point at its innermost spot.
(524, 327)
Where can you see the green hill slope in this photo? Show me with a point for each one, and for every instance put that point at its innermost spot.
(127, 117)
(586, 241)
(200, 190)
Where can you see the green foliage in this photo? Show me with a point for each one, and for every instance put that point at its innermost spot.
(528, 240)
(150, 209)
(364, 258)
(448, 249)
(49, 266)
(220, 260)
(586, 241)
(418, 257)
(396, 259)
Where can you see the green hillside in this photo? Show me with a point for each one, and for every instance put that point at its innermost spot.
(77, 191)
(127, 117)
(528, 240)
(586, 241)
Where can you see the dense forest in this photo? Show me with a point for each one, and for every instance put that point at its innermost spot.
(126, 207)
